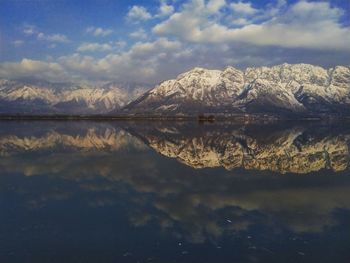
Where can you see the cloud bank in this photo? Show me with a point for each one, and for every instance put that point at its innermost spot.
(176, 36)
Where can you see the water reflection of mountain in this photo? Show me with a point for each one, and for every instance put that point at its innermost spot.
(83, 138)
(295, 149)
(191, 204)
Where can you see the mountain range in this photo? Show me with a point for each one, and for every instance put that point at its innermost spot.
(42, 97)
(290, 89)
(300, 89)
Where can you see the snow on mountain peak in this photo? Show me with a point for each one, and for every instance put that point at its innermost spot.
(285, 88)
(41, 97)
(293, 88)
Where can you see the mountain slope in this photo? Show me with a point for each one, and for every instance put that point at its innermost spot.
(29, 96)
(297, 89)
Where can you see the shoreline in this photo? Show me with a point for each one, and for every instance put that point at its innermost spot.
(209, 118)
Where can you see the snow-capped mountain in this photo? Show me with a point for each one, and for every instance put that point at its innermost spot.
(283, 89)
(299, 88)
(33, 96)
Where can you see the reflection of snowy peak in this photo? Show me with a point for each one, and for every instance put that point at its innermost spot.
(44, 97)
(280, 149)
(107, 139)
(299, 88)
(293, 150)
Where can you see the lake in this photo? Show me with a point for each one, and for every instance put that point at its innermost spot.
(84, 191)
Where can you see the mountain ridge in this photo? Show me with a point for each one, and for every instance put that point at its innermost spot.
(285, 89)
(31, 96)
(282, 89)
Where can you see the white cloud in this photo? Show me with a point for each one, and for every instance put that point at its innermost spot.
(99, 31)
(186, 23)
(240, 21)
(138, 13)
(204, 33)
(32, 68)
(52, 45)
(243, 8)
(120, 44)
(94, 47)
(147, 62)
(140, 34)
(18, 43)
(59, 38)
(142, 62)
(153, 61)
(311, 25)
(29, 29)
(214, 6)
(165, 9)
(149, 49)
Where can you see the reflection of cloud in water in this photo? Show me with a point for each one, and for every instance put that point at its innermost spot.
(302, 210)
(196, 203)
(202, 206)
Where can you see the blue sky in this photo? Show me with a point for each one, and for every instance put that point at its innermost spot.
(148, 41)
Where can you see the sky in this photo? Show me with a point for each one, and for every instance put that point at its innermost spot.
(150, 41)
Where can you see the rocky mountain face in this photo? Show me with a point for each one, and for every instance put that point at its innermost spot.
(284, 89)
(41, 97)
(296, 89)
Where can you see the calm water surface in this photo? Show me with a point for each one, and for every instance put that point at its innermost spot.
(174, 192)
